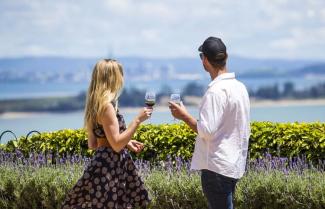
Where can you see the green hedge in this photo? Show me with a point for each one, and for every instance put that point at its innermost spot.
(288, 139)
(279, 139)
(45, 187)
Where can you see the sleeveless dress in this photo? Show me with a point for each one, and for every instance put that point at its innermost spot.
(110, 181)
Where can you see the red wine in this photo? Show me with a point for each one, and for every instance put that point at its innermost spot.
(150, 103)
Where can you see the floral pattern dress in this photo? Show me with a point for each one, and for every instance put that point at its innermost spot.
(110, 181)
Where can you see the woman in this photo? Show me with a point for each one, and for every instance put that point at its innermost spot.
(111, 179)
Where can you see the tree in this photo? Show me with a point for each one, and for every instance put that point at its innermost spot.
(288, 89)
(132, 98)
(193, 89)
(268, 92)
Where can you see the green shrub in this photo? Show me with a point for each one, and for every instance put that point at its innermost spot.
(62, 141)
(161, 141)
(288, 139)
(166, 140)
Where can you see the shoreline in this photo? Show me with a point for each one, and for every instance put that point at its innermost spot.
(194, 104)
(287, 102)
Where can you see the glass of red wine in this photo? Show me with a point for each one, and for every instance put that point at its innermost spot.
(150, 98)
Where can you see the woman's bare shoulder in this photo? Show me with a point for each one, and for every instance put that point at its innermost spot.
(108, 114)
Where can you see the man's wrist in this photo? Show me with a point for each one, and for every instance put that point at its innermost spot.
(137, 121)
(186, 118)
(191, 122)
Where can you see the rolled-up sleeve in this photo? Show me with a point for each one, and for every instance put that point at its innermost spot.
(211, 112)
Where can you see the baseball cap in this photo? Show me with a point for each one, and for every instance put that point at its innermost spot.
(212, 46)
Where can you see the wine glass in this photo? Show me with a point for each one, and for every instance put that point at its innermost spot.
(150, 99)
(176, 98)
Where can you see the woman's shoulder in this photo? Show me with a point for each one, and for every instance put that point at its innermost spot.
(110, 108)
(108, 112)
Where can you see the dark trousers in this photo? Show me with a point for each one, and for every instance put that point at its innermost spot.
(218, 189)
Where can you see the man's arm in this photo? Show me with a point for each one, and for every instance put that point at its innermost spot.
(210, 115)
(191, 122)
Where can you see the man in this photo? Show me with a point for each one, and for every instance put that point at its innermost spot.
(223, 128)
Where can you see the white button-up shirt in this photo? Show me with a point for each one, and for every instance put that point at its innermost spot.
(223, 128)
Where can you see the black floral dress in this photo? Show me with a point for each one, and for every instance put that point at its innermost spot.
(110, 181)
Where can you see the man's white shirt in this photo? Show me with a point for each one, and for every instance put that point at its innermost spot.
(223, 128)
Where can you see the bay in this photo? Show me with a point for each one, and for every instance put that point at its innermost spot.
(22, 124)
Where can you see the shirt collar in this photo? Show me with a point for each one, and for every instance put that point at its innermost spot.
(223, 76)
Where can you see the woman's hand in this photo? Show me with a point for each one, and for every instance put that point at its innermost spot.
(135, 146)
(144, 114)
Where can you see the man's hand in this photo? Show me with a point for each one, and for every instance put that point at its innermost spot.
(178, 110)
(135, 146)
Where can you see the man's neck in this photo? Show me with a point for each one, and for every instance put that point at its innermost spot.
(215, 72)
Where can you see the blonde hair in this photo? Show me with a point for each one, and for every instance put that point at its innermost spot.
(105, 87)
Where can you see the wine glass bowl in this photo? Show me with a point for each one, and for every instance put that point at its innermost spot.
(176, 98)
(150, 99)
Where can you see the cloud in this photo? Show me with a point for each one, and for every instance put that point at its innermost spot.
(284, 44)
(161, 28)
(322, 15)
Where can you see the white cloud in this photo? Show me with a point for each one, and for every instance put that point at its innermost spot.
(284, 44)
(170, 28)
(36, 50)
(311, 13)
(322, 15)
(150, 35)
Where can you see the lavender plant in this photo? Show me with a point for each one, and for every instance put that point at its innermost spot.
(41, 180)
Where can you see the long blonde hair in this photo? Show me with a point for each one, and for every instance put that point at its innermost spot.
(105, 87)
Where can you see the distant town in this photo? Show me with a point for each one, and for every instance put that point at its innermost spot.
(61, 70)
(166, 73)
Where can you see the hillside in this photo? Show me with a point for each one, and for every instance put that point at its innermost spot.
(44, 69)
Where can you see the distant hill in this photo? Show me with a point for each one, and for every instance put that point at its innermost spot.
(140, 68)
(45, 63)
(318, 69)
(236, 63)
(242, 64)
(306, 71)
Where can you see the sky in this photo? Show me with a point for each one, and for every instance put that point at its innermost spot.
(288, 29)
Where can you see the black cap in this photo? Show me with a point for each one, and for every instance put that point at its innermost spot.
(212, 46)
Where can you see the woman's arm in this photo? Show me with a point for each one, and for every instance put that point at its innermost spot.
(92, 141)
(111, 127)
